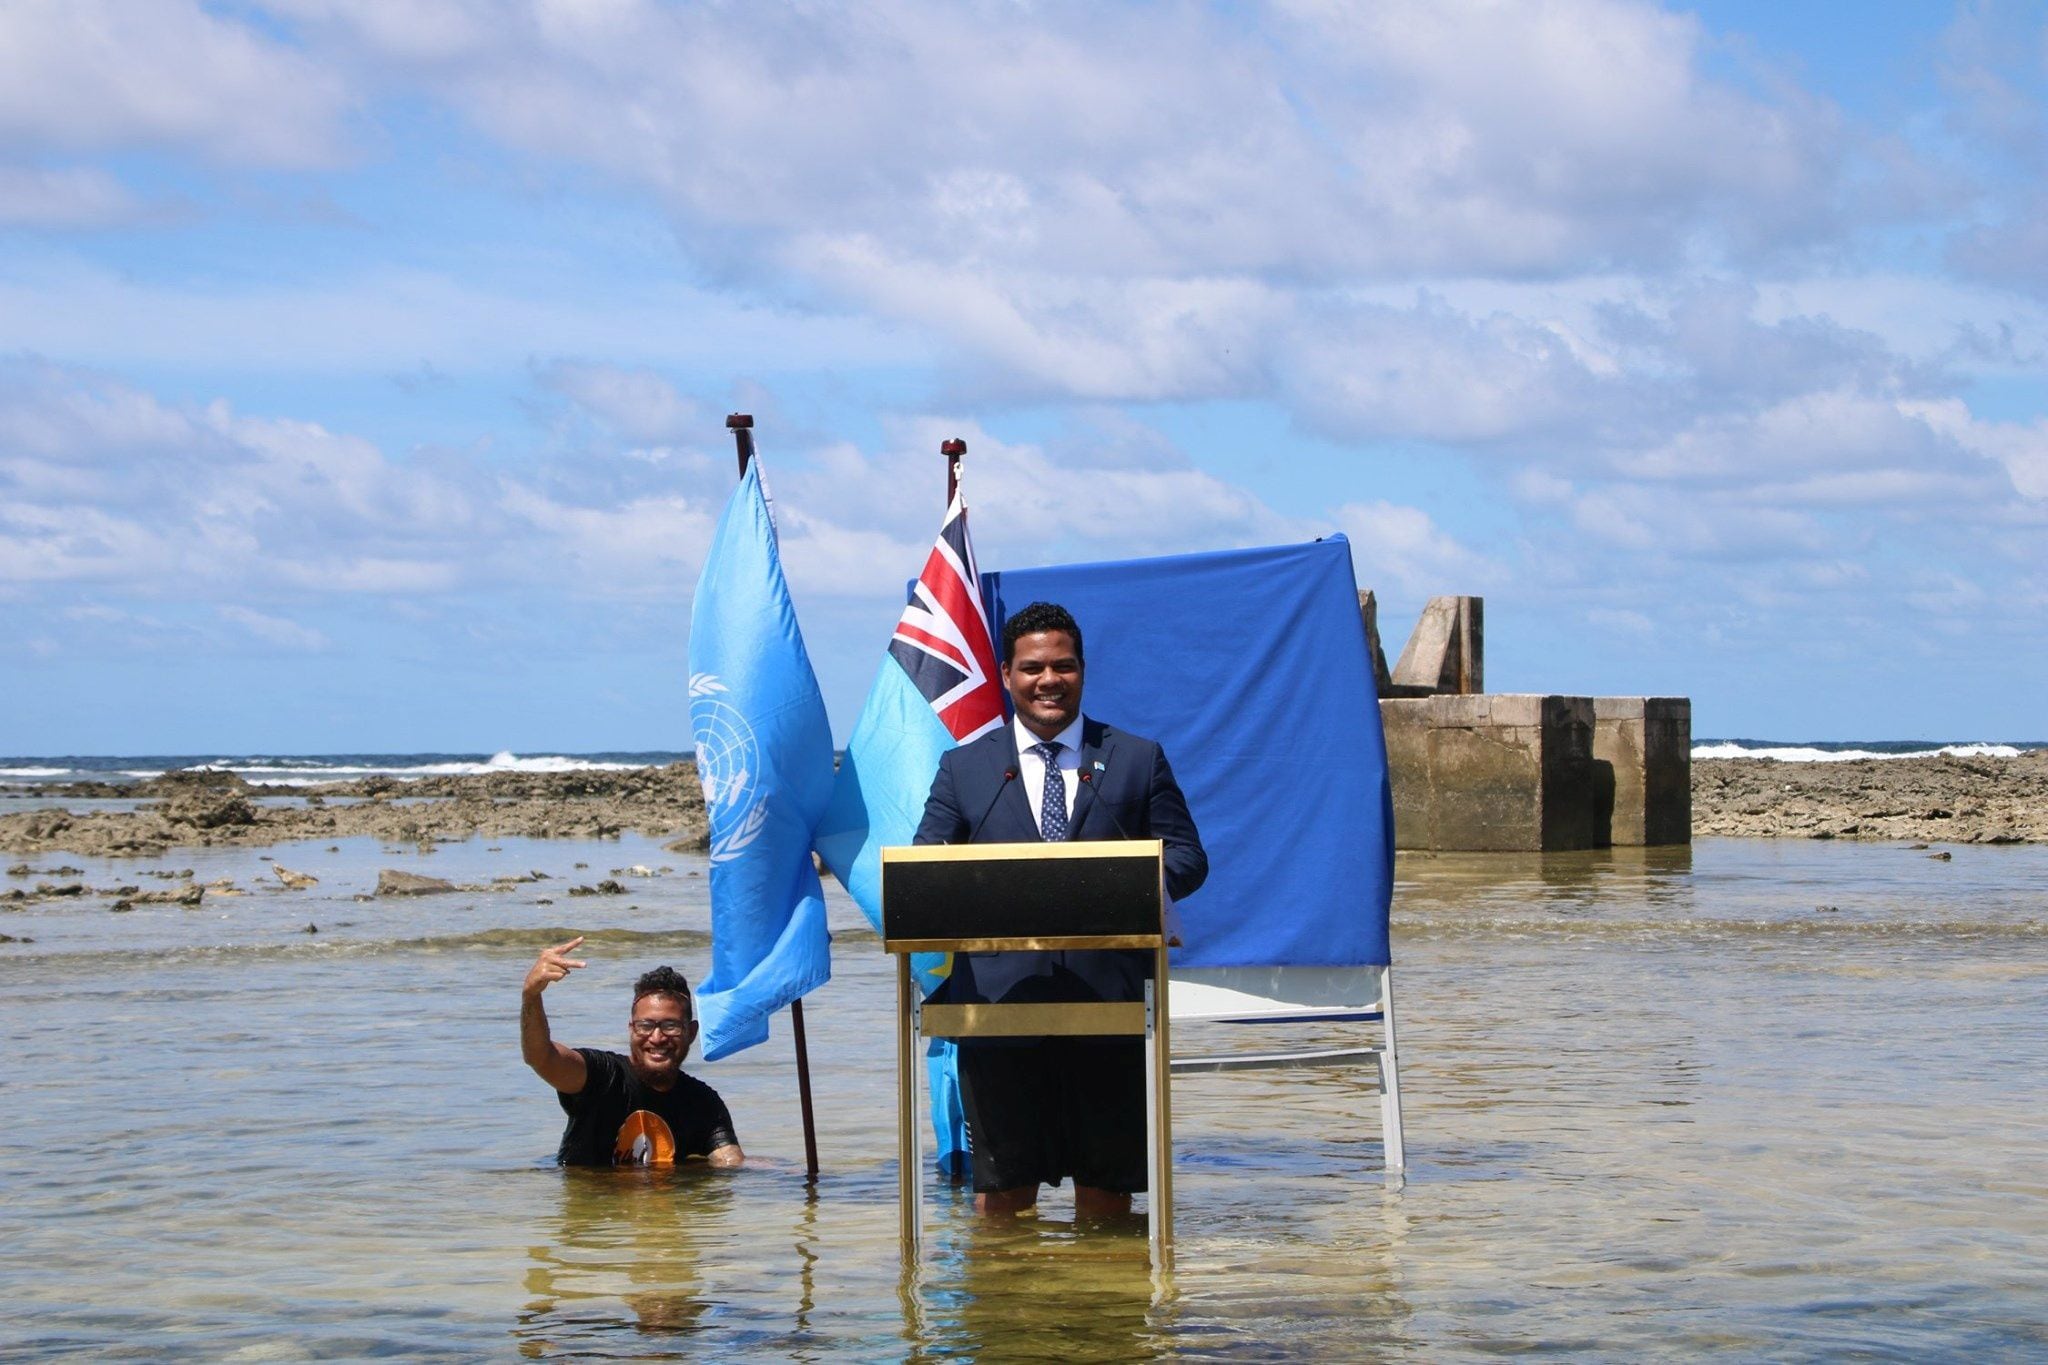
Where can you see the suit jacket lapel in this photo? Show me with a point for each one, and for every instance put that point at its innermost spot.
(1092, 750)
(1019, 801)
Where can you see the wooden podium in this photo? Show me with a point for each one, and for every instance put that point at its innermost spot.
(975, 898)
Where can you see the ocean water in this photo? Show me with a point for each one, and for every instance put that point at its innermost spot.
(1756, 1099)
(25, 773)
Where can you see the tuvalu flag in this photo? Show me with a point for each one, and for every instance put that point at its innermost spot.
(937, 688)
(764, 757)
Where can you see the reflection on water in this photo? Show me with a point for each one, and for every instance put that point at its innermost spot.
(622, 1254)
(1764, 1099)
(1034, 1287)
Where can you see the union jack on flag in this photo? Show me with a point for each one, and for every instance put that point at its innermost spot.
(943, 640)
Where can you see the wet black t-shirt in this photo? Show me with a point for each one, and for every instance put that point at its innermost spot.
(689, 1113)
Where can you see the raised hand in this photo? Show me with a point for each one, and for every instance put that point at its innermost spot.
(552, 965)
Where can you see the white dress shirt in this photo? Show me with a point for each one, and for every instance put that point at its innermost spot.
(1031, 768)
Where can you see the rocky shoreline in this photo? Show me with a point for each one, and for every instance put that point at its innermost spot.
(1940, 799)
(1926, 800)
(198, 808)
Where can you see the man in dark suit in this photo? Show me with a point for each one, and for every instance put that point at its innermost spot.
(1042, 1109)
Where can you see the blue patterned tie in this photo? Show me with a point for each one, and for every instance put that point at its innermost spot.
(1052, 807)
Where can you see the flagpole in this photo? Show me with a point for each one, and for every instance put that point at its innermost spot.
(741, 425)
(952, 449)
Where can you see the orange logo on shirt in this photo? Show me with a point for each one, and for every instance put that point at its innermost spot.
(644, 1140)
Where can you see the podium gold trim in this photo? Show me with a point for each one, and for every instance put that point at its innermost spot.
(1006, 853)
(1078, 1019)
(1085, 942)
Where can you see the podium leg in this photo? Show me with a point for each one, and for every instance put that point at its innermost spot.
(909, 1164)
(1159, 1116)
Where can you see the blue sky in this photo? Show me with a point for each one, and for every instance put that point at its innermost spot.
(363, 365)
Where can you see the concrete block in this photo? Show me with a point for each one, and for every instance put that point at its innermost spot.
(1494, 773)
(1445, 651)
(1465, 711)
(1369, 610)
(1524, 709)
(1646, 742)
(1427, 656)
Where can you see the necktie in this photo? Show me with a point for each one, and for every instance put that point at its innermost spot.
(1052, 807)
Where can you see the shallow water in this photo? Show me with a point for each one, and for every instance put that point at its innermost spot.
(1764, 1098)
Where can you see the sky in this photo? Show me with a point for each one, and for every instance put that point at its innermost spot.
(364, 364)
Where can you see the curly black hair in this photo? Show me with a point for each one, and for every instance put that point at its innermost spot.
(665, 981)
(1040, 616)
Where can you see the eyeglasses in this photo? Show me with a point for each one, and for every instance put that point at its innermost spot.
(669, 1028)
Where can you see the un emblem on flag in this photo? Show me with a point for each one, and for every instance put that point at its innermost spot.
(728, 764)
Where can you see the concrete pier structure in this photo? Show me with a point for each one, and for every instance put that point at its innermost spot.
(1521, 772)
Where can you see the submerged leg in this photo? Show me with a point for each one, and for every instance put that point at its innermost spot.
(1007, 1201)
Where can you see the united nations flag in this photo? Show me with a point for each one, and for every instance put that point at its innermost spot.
(764, 757)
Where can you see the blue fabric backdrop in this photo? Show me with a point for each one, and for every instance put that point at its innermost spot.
(1251, 667)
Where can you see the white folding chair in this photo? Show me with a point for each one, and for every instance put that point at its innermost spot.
(1278, 996)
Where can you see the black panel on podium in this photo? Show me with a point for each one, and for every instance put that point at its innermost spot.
(955, 897)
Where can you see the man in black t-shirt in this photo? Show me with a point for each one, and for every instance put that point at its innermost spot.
(638, 1109)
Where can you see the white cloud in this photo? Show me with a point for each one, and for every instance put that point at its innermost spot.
(94, 75)
(828, 559)
(1429, 372)
(1533, 137)
(105, 483)
(111, 485)
(645, 547)
(275, 630)
(1630, 623)
(1926, 319)
(2020, 447)
(1541, 488)
(1087, 337)
(637, 403)
(415, 32)
(1029, 508)
(63, 197)
(1939, 593)
(380, 319)
(1610, 296)
(1990, 60)
(1402, 549)
(1350, 142)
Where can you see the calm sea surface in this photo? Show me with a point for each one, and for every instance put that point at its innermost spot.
(1765, 1099)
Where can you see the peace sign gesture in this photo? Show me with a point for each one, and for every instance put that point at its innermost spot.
(552, 965)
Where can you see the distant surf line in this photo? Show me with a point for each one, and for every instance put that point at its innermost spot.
(309, 769)
(298, 770)
(1842, 751)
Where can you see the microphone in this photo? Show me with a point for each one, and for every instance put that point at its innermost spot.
(1009, 776)
(1088, 780)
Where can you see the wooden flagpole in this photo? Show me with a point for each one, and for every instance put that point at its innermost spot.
(741, 425)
